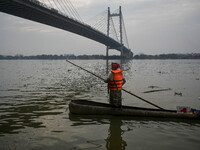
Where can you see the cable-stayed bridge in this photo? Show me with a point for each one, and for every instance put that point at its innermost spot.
(61, 14)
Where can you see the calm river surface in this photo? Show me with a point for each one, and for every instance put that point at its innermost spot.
(34, 98)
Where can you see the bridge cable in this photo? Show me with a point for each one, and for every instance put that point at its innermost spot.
(100, 21)
(50, 4)
(115, 33)
(116, 24)
(73, 8)
(125, 32)
(102, 27)
(44, 3)
(103, 13)
(76, 11)
(62, 6)
(56, 6)
(70, 10)
(101, 24)
(111, 27)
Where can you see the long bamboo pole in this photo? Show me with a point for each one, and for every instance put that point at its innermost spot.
(122, 88)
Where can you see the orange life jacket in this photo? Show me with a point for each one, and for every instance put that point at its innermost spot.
(116, 84)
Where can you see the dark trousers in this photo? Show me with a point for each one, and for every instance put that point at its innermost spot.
(116, 98)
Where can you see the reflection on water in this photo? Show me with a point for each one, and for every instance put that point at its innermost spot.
(31, 90)
(115, 140)
(18, 116)
(128, 132)
(114, 132)
(34, 98)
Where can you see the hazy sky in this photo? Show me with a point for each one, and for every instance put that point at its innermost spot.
(152, 26)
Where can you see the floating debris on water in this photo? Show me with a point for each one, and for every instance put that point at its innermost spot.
(159, 90)
(152, 87)
(178, 93)
(162, 72)
(197, 78)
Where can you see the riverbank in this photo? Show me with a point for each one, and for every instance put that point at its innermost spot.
(72, 56)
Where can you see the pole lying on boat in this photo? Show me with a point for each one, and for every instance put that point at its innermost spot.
(122, 88)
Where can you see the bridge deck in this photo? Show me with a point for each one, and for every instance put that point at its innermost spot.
(31, 10)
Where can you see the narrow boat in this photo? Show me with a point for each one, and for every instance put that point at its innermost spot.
(85, 107)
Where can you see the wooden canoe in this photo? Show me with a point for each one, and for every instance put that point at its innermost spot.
(84, 107)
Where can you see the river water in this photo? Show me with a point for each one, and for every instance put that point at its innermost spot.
(34, 98)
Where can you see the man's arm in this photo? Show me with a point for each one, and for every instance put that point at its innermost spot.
(123, 81)
(110, 78)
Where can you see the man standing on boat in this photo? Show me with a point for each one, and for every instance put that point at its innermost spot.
(115, 81)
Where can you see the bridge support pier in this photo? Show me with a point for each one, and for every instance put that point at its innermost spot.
(122, 52)
(107, 49)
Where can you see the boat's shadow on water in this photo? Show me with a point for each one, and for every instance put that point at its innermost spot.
(79, 119)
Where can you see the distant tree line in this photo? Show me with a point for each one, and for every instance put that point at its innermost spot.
(169, 56)
(69, 56)
(72, 56)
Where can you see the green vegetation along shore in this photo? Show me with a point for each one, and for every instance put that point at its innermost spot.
(72, 56)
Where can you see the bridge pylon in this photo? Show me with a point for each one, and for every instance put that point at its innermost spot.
(119, 14)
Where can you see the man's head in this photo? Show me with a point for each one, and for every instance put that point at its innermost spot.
(115, 66)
